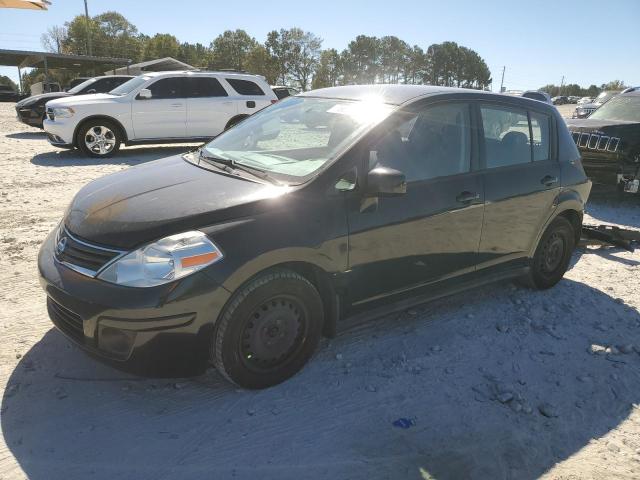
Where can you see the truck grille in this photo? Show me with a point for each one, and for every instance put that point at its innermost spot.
(81, 256)
(67, 321)
(594, 141)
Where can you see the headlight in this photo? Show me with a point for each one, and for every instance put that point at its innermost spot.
(163, 261)
(63, 112)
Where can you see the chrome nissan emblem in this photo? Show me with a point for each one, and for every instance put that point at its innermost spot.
(62, 244)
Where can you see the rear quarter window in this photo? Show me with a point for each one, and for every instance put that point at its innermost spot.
(245, 87)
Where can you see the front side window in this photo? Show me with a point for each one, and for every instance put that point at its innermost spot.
(435, 142)
(167, 88)
(625, 108)
(506, 136)
(298, 135)
(245, 87)
(83, 87)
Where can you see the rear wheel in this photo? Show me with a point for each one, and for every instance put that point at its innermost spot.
(99, 138)
(553, 254)
(269, 330)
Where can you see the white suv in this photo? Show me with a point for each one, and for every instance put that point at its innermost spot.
(158, 107)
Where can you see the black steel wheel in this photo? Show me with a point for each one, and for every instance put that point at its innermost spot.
(553, 254)
(269, 330)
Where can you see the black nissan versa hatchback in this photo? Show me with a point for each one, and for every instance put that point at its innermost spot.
(245, 252)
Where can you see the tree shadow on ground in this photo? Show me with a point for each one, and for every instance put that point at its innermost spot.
(126, 156)
(498, 382)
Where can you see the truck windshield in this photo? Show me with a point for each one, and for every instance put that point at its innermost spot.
(623, 108)
(130, 86)
(298, 135)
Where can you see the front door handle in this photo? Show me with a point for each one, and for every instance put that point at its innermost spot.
(467, 197)
(548, 180)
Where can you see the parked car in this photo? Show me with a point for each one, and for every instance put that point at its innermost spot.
(8, 94)
(156, 107)
(31, 110)
(244, 252)
(609, 141)
(284, 92)
(537, 95)
(584, 100)
(560, 100)
(586, 109)
(572, 99)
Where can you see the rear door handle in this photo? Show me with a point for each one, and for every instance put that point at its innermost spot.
(467, 197)
(548, 180)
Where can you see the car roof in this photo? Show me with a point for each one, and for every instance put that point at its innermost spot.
(401, 94)
(201, 73)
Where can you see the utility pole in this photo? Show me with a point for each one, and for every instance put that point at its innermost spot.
(502, 81)
(561, 84)
(86, 16)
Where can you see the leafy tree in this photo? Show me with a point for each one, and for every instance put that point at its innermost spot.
(329, 71)
(304, 56)
(54, 39)
(260, 62)
(613, 85)
(4, 80)
(194, 54)
(161, 45)
(393, 56)
(231, 49)
(361, 60)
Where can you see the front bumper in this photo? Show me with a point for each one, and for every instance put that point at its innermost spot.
(30, 116)
(158, 331)
(59, 132)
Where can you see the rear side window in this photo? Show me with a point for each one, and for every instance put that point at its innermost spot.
(245, 87)
(281, 93)
(199, 87)
(540, 130)
(167, 88)
(506, 136)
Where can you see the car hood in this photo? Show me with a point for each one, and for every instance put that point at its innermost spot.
(89, 99)
(42, 98)
(150, 201)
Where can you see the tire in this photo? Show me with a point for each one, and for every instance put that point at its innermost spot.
(268, 331)
(99, 138)
(553, 254)
(234, 121)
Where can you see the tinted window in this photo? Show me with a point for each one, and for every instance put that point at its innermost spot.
(535, 96)
(433, 143)
(129, 86)
(281, 93)
(167, 88)
(506, 136)
(205, 87)
(245, 87)
(540, 128)
(102, 85)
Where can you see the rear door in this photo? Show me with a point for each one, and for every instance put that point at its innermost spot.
(209, 107)
(164, 115)
(521, 179)
(432, 232)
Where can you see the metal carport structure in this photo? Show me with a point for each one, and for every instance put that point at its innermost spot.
(47, 60)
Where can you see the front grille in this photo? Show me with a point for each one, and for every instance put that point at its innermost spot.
(82, 256)
(594, 141)
(67, 321)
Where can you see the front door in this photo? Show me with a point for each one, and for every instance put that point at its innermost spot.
(164, 115)
(432, 232)
(522, 181)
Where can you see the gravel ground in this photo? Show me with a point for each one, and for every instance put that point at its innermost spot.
(501, 382)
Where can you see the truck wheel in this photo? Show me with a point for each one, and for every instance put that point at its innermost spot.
(99, 138)
(268, 331)
(553, 254)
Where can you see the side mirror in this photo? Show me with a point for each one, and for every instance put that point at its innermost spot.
(386, 182)
(145, 94)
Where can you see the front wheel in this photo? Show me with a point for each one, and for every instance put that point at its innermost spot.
(552, 257)
(99, 138)
(269, 330)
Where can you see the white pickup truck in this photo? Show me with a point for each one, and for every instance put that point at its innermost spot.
(156, 107)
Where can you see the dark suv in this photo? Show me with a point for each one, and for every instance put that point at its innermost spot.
(31, 109)
(244, 252)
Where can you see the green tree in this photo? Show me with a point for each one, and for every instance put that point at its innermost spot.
(260, 62)
(304, 56)
(230, 50)
(54, 39)
(161, 45)
(361, 60)
(329, 70)
(196, 54)
(4, 80)
(393, 57)
(613, 85)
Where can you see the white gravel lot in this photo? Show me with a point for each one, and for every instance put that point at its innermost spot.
(499, 382)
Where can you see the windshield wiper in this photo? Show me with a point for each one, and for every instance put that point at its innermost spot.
(231, 165)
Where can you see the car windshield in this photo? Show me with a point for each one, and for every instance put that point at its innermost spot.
(624, 109)
(130, 86)
(81, 86)
(298, 135)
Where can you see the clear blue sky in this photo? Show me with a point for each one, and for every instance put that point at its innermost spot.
(587, 41)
